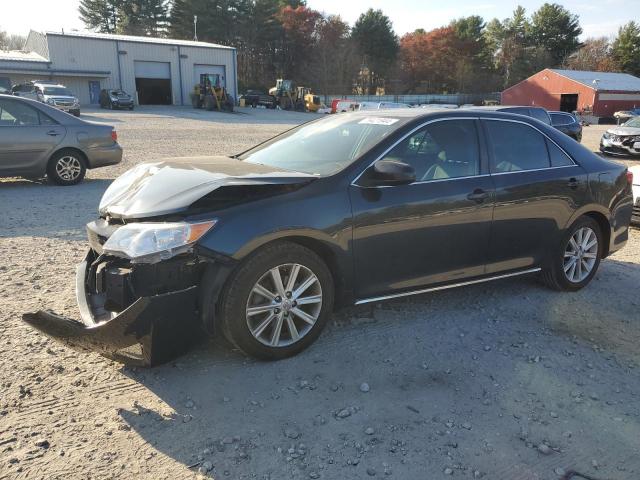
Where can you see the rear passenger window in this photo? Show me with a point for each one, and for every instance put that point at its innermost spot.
(516, 147)
(558, 157)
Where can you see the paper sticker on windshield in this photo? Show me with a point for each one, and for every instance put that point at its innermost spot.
(378, 121)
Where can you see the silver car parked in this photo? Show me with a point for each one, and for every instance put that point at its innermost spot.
(38, 140)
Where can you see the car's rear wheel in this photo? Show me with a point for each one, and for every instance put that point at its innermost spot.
(277, 302)
(576, 261)
(66, 168)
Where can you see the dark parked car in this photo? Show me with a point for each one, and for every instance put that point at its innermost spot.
(254, 98)
(352, 208)
(37, 139)
(115, 99)
(567, 124)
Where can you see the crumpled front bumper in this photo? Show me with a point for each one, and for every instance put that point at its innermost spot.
(620, 146)
(150, 331)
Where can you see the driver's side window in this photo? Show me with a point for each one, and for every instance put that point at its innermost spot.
(441, 150)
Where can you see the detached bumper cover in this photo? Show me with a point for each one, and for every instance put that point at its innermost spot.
(150, 331)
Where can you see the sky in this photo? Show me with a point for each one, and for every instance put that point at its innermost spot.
(597, 17)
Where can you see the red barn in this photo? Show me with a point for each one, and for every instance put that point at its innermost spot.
(569, 90)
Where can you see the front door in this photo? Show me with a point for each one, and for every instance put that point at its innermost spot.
(434, 230)
(538, 187)
(94, 92)
(27, 138)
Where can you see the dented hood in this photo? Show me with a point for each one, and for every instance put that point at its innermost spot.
(171, 186)
(623, 131)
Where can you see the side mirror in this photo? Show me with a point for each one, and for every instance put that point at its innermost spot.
(389, 173)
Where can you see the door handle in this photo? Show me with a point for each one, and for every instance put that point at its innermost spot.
(573, 183)
(478, 195)
(53, 133)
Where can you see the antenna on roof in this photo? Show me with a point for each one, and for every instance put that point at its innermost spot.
(195, 28)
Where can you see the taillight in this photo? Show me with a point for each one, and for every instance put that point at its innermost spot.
(629, 177)
(114, 135)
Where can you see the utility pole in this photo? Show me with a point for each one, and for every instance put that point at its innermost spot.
(195, 28)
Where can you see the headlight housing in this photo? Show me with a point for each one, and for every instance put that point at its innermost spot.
(50, 101)
(152, 242)
(606, 135)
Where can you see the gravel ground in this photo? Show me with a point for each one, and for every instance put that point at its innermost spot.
(505, 380)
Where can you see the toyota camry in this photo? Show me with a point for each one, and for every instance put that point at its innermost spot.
(355, 208)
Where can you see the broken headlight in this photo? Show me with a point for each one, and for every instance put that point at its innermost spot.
(152, 242)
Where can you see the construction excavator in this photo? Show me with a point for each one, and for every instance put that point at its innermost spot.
(290, 97)
(211, 95)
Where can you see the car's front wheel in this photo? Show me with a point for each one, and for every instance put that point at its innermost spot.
(66, 168)
(576, 260)
(277, 302)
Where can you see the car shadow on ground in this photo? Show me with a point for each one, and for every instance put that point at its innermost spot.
(65, 210)
(508, 353)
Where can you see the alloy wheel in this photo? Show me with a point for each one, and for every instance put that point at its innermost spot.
(580, 254)
(68, 168)
(284, 305)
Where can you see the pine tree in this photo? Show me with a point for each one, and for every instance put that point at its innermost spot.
(100, 15)
(626, 48)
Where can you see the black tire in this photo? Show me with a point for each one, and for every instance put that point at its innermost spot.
(554, 275)
(55, 176)
(75, 113)
(239, 286)
(210, 103)
(254, 104)
(229, 103)
(131, 107)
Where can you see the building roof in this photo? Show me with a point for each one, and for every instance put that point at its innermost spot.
(20, 56)
(602, 80)
(131, 38)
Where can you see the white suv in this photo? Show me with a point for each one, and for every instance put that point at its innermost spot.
(53, 94)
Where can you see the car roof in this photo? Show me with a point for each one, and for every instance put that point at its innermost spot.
(497, 108)
(409, 114)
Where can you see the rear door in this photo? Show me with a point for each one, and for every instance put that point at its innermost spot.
(28, 137)
(537, 189)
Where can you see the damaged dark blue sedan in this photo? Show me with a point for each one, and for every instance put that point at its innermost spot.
(352, 208)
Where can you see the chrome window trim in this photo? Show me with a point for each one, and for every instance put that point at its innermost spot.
(534, 170)
(446, 287)
(541, 133)
(407, 135)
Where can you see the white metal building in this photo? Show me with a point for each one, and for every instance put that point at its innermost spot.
(155, 70)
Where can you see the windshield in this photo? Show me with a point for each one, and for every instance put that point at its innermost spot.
(63, 91)
(634, 122)
(118, 93)
(325, 146)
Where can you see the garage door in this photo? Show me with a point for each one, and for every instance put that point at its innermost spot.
(152, 69)
(198, 69)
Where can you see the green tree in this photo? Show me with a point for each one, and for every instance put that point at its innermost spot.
(100, 15)
(144, 17)
(626, 48)
(556, 30)
(376, 41)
